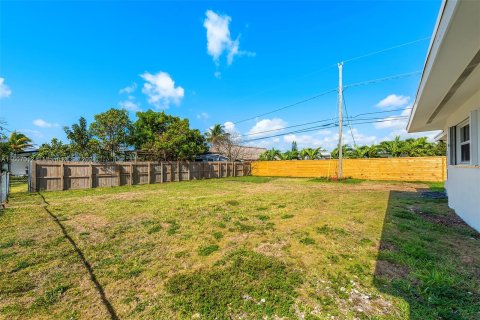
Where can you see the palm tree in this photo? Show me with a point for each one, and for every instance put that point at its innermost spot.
(393, 148)
(19, 142)
(311, 154)
(371, 151)
(346, 152)
(215, 134)
(358, 152)
(270, 155)
(418, 147)
(289, 155)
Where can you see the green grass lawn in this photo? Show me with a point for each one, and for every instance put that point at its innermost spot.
(238, 248)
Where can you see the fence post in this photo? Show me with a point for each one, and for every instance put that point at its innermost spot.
(161, 172)
(33, 179)
(119, 169)
(149, 179)
(188, 170)
(62, 175)
(131, 173)
(234, 169)
(91, 175)
(179, 174)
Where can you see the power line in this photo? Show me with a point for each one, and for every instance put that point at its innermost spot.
(348, 121)
(325, 120)
(287, 106)
(397, 76)
(385, 50)
(363, 83)
(297, 125)
(348, 60)
(329, 125)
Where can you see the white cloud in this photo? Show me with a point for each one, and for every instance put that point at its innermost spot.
(5, 91)
(229, 127)
(44, 124)
(219, 39)
(129, 89)
(160, 89)
(324, 132)
(393, 122)
(398, 127)
(203, 115)
(266, 125)
(393, 100)
(129, 105)
(329, 140)
(217, 74)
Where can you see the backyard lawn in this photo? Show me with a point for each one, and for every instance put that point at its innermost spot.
(238, 248)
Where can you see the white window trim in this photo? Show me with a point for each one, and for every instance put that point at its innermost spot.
(459, 143)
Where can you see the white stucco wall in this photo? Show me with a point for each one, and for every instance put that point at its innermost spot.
(463, 189)
(18, 167)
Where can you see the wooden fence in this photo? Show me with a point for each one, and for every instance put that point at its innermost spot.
(58, 175)
(401, 169)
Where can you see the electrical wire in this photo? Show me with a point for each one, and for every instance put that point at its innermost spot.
(385, 50)
(324, 120)
(348, 121)
(357, 84)
(328, 125)
(287, 106)
(397, 76)
(372, 53)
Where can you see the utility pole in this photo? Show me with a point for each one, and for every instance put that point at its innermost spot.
(340, 120)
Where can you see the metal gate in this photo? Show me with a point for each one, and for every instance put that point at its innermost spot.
(19, 169)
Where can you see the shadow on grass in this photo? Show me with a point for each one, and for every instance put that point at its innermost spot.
(86, 264)
(430, 258)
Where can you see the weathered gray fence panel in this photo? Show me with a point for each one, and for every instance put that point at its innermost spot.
(69, 175)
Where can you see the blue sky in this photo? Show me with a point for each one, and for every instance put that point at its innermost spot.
(211, 62)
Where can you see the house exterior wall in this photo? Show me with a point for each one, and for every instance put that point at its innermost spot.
(463, 180)
(19, 166)
(463, 188)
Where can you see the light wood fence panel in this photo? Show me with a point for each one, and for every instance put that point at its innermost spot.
(401, 169)
(69, 175)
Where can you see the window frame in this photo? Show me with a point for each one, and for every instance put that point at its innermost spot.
(459, 143)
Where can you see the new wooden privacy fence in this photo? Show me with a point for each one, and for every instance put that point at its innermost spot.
(401, 169)
(54, 175)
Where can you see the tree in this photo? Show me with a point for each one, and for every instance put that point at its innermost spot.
(18, 142)
(346, 151)
(148, 126)
(371, 151)
(55, 150)
(393, 148)
(166, 137)
(289, 155)
(294, 146)
(230, 145)
(81, 139)
(179, 142)
(112, 128)
(311, 154)
(270, 155)
(215, 135)
(441, 148)
(418, 147)
(358, 152)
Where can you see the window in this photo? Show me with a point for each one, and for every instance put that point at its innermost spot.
(463, 143)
